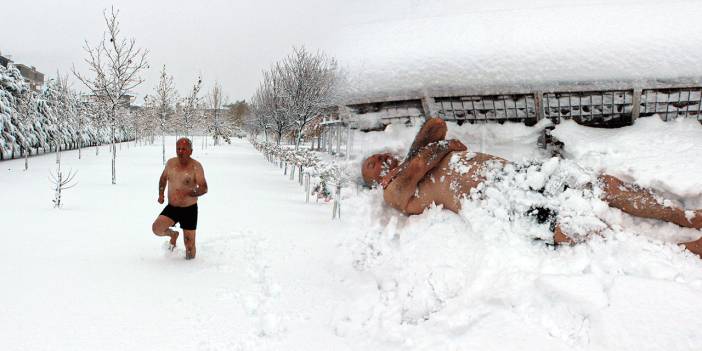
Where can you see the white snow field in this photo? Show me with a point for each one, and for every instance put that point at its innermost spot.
(274, 272)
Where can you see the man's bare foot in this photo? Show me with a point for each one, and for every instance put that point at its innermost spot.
(433, 130)
(190, 253)
(174, 239)
(694, 246)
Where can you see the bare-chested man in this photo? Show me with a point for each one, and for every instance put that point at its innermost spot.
(412, 186)
(186, 182)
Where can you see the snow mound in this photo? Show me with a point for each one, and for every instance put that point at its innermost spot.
(651, 153)
(445, 281)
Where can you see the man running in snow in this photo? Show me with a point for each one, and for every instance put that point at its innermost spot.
(444, 171)
(186, 182)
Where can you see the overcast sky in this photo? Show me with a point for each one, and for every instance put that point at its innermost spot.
(228, 41)
(233, 41)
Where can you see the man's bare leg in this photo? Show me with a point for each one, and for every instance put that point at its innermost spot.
(189, 238)
(640, 202)
(162, 227)
(694, 246)
(433, 129)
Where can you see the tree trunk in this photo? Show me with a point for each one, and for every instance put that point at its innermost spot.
(114, 158)
(298, 139)
(114, 163)
(163, 147)
(58, 155)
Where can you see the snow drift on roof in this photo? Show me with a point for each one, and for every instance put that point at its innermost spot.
(438, 48)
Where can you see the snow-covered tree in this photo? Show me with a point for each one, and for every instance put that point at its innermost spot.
(165, 99)
(26, 117)
(237, 113)
(116, 65)
(294, 91)
(53, 119)
(72, 119)
(83, 126)
(307, 86)
(258, 120)
(191, 109)
(269, 104)
(98, 111)
(218, 126)
(57, 107)
(146, 120)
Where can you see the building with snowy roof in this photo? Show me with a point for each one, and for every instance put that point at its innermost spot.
(4, 61)
(594, 63)
(32, 76)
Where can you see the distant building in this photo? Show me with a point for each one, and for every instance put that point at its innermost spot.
(4, 61)
(33, 77)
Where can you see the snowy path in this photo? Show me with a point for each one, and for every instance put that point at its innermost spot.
(275, 273)
(91, 276)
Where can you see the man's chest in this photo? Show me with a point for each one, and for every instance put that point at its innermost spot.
(182, 176)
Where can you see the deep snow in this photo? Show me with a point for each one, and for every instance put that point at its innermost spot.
(274, 272)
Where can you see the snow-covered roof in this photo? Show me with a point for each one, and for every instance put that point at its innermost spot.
(512, 47)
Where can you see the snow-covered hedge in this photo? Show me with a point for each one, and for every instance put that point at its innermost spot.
(325, 177)
(50, 119)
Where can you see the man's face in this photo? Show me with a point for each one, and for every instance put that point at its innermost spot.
(183, 150)
(374, 168)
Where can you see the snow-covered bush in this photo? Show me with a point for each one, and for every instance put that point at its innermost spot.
(325, 178)
(51, 119)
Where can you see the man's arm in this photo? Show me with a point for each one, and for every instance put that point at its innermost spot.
(402, 188)
(200, 182)
(162, 184)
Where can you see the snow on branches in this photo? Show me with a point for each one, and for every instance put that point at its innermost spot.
(216, 124)
(116, 65)
(52, 119)
(320, 175)
(190, 109)
(293, 92)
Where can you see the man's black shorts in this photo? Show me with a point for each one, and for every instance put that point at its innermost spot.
(186, 216)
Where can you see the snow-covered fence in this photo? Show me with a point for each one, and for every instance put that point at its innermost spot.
(521, 107)
(337, 137)
(322, 179)
(612, 108)
(672, 103)
(609, 104)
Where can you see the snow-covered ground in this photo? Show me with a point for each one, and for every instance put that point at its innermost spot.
(473, 281)
(274, 272)
(92, 276)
